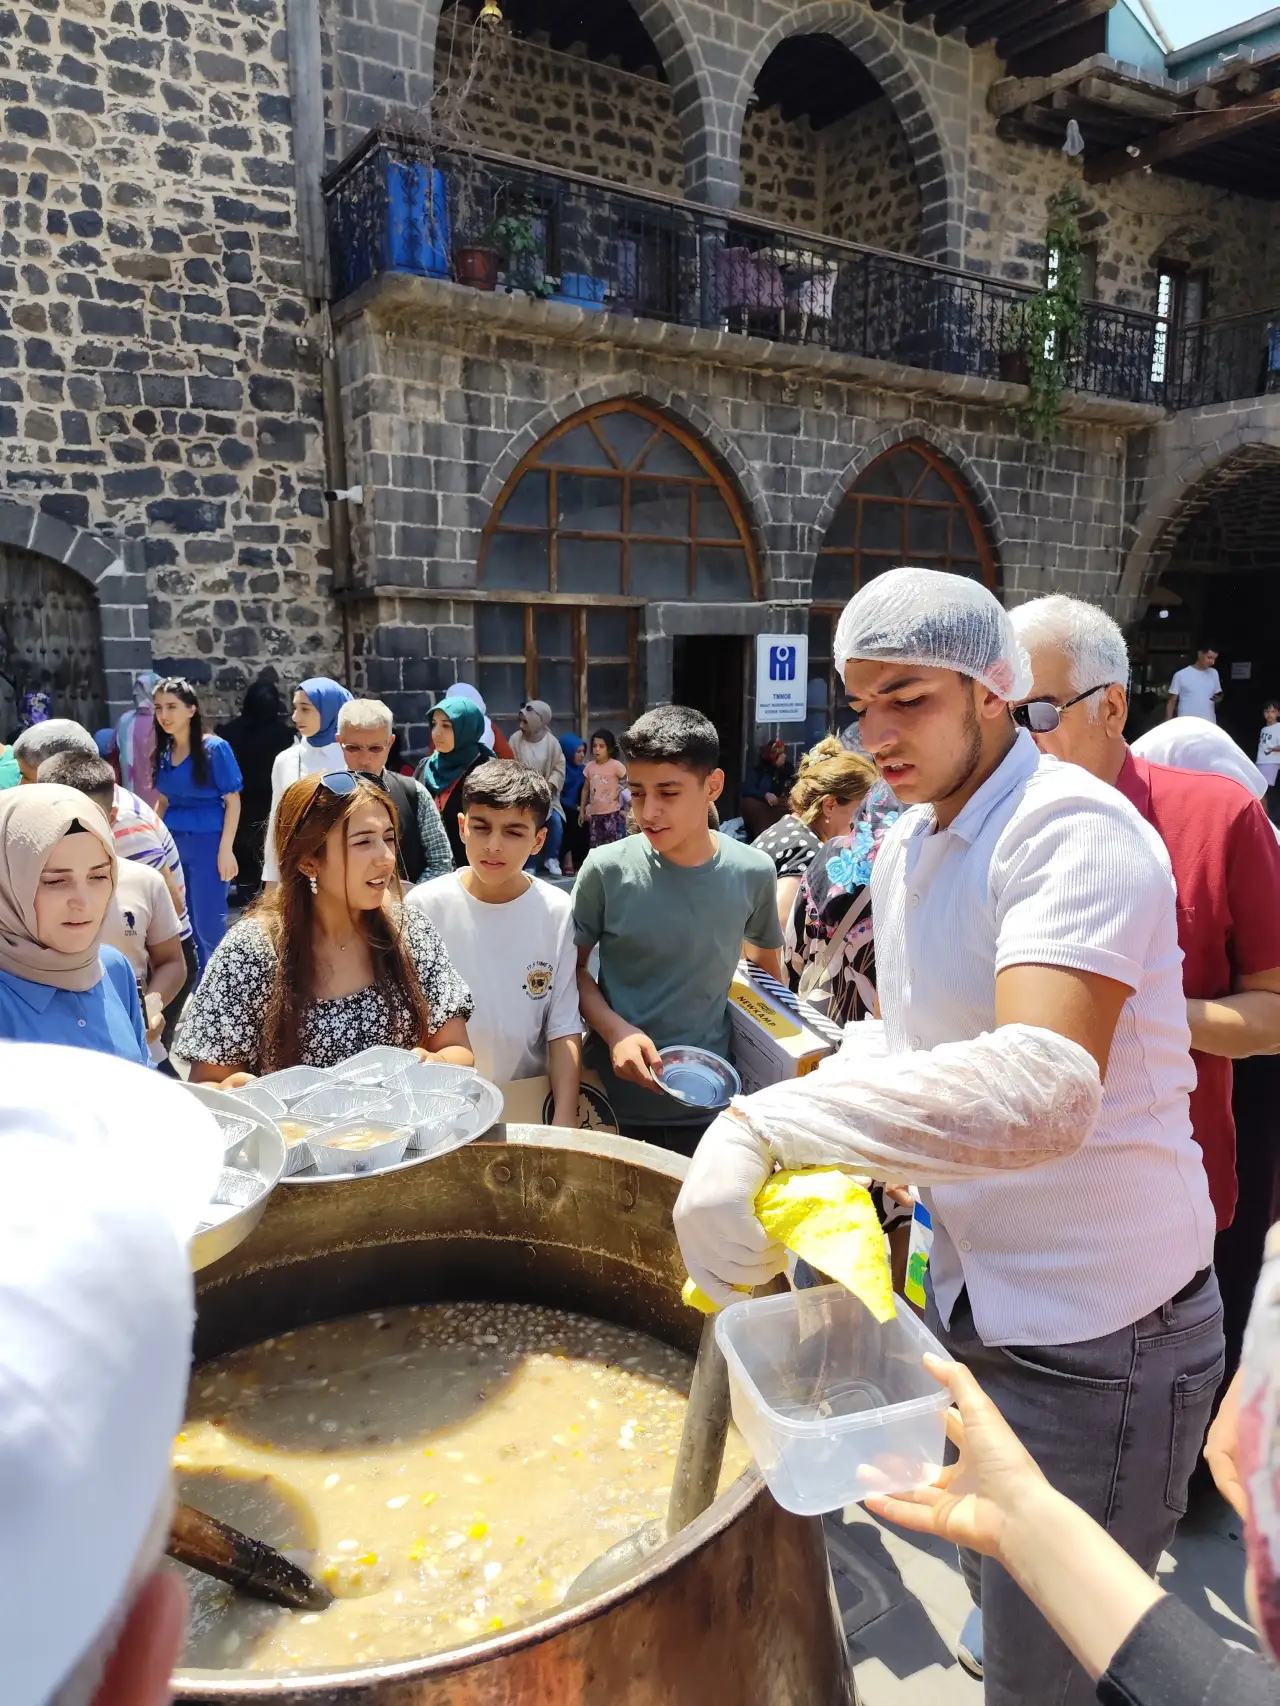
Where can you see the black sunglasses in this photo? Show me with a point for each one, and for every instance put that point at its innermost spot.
(341, 783)
(1042, 716)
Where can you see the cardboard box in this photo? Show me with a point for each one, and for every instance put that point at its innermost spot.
(775, 1034)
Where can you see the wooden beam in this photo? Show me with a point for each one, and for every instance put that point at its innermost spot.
(989, 17)
(1184, 136)
(1123, 98)
(1054, 21)
(916, 11)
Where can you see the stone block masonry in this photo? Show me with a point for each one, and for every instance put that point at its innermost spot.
(158, 370)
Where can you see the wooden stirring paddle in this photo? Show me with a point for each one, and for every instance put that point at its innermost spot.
(216, 1549)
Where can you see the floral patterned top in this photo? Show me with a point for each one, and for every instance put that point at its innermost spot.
(840, 870)
(222, 1024)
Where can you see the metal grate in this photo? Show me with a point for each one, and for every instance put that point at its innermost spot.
(394, 207)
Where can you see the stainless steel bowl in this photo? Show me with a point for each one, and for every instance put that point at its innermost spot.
(259, 1154)
(697, 1077)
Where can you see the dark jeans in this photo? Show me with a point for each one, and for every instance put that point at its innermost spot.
(173, 1012)
(1116, 1424)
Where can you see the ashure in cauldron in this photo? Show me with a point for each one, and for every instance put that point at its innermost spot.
(737, 1610)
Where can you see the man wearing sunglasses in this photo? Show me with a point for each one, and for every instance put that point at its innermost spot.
(1226, 867)
(1026, 948)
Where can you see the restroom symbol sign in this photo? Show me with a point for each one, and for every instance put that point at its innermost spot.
(782, 676)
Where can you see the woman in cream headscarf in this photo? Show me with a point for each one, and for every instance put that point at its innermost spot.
(537, 748)
(57, 877)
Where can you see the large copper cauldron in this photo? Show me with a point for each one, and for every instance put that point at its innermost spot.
(738, 1610)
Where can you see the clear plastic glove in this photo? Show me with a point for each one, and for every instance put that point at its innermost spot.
(723, 1244)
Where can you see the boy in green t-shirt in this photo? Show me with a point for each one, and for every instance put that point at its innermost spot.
(670, 910)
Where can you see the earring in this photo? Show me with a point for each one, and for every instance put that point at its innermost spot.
(315, 886)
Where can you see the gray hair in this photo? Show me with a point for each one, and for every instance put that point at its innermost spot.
(1088, 638)
(366, 714)
(46, 740)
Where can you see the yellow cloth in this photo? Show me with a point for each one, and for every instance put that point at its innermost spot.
(821, 1215)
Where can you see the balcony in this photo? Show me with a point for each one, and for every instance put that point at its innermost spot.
(494, 222)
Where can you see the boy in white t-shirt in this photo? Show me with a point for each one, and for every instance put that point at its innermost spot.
(510, 937)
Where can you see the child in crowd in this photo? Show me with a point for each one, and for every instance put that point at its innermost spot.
(1269, 753)
(669, 909)
(603, 809)
(510, 937)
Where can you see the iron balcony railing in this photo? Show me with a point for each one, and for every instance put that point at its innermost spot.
(1219, 361)
(492, 221)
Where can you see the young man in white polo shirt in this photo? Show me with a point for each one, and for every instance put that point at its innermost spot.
(1025, 923)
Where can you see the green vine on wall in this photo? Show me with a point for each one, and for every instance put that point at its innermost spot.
(1050, 322)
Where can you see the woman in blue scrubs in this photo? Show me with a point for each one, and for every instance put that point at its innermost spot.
(199, 783)
(57, 878)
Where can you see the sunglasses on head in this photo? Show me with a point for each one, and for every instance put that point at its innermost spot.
(341, 783)
(1042, 716)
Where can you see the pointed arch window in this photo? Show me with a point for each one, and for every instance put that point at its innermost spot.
(908, 506)
(619, 503)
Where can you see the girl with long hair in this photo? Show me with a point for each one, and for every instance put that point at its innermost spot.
(198, 783)
(603, 809)
(329, 962)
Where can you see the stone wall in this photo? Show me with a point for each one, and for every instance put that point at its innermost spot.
(561, 109)
(1133, 221)
(440, 413)
(157, 373)
(872, 192)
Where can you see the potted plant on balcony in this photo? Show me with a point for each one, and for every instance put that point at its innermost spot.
(522, 247)
(1046, 328)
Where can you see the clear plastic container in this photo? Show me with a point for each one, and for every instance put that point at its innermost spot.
(360, 1146)
(833, 1404)
(334, 1101)
(294, 1082)
(376, 1066)
(433, 1118)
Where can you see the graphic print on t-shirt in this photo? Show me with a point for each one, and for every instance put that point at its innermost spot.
(537, 980)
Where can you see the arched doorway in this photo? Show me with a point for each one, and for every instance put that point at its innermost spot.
(1212, 578)
(617, 508)
(50, 639)
(908, 506)
(823, 148)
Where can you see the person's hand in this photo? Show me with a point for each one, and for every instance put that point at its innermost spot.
(228, 869)
(771, 799)
(973, 1499)
(636, 1059)
(1221, 1445)
(155, 1028)
(725, 1248)
(237, 1081)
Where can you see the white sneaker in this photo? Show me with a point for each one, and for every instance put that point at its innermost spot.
(553, 868)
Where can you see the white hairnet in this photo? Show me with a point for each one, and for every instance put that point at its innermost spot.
(1191, 743)
(108, 1168)
(942, 621)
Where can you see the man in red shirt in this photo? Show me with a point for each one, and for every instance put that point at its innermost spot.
(1226, 867)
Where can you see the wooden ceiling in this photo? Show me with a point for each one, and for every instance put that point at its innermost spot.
(1022, 30)
(1222, 130)
(608, 29)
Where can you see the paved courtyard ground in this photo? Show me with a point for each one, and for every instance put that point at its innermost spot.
(904, 1601)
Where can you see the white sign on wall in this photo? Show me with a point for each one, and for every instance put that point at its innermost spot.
(782, 677)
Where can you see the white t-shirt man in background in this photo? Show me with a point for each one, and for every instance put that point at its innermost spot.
(510, 937)
(1195, 690)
